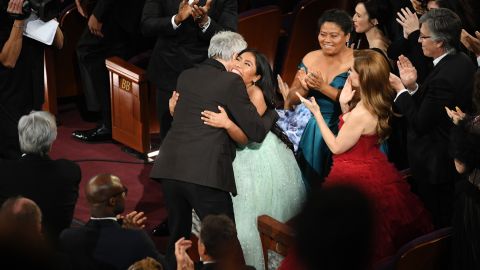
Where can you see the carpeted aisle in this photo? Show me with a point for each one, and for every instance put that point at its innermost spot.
(144, 194)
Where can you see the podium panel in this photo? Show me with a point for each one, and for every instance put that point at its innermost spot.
(133, 105)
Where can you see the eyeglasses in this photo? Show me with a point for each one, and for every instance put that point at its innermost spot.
(421, 38)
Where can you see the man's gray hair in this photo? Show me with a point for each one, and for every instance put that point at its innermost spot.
(36, 132)
(445, 26)
(225, 44)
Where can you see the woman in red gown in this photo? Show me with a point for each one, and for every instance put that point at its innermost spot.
(399, 215)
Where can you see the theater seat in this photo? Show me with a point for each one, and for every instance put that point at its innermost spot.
(261, 27)
(428, 252)
(61, 68)
(275, 236)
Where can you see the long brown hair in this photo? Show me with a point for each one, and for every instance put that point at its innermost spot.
(375, 90)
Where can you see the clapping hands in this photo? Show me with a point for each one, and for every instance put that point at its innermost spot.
(456, 115)
(470, 42)
(133, 220)
(183, 260)
(408, 73)
(409, 21)
(311, 104)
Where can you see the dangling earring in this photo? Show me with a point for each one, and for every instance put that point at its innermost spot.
(253, 83)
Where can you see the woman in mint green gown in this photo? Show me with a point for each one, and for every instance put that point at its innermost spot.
(321, 75)
(267, 176)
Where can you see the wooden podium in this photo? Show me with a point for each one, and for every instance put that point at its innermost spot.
(133, 105)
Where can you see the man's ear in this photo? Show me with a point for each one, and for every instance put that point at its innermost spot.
(112, 201)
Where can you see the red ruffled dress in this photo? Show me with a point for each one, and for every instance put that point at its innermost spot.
(399, 215)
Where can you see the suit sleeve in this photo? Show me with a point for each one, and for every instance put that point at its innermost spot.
(102, 8)
(431, 110)
(156, 20)
(227, 20)
(246, 116)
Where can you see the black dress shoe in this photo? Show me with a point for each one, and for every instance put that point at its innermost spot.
(98, 134)
(161, 229)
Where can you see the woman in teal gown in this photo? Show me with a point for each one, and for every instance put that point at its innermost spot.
(267, 176)
(322, 75)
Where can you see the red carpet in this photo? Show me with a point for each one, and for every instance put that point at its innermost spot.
(144, 194)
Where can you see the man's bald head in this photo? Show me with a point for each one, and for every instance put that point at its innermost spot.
(22, 213)
(103, 193)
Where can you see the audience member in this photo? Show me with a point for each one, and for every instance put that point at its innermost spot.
(261, 170)
(21, 240)
(472, 43)
(448, 85)
(215, 246)
(408, 45)
(146, 264)
(358, 161)
(52, 184)
(322, 73)
(465, 149)
(369, 19)
(21, 74)
(183, 30)
(103, 243)
(194, 163)
(334, 231)
(112, 30)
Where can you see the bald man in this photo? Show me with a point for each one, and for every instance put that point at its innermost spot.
(103, 243)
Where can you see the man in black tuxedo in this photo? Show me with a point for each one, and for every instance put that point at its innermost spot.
(449, 84)
(103, 243)
(183, 30)
(195, 160)
(113, 30)
(52, 184)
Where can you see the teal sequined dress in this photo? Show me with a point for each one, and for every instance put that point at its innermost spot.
(268, 182)
(314, 157)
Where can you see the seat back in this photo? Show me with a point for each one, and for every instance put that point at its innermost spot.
(261, 27)
(303, 32)
(61, 68)
(428, 252)
(275, 236)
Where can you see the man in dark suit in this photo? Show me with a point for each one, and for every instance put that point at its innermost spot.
(183, 30)
(103, 243)
(52, 184)
(195, 160)
(113, 30)
(449, 84)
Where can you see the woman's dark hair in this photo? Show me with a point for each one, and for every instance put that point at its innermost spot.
(268, 85)
(338, 17)
(377, 10)
(465, 143)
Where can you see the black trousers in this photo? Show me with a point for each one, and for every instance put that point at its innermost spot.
(181, 198)
(91, 53)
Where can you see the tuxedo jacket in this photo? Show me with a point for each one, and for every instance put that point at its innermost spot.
(52, 184)
(124, 13)
(200, 154)
(449, 84)
(179, 49)
(104, 244)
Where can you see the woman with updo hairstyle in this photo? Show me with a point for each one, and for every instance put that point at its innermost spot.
(369, 20)
(358, 161)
